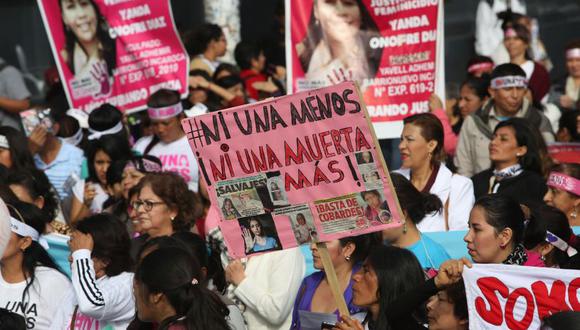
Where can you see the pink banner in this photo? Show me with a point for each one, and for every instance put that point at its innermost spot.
(294, 170)
(388, 47)
(115, 51)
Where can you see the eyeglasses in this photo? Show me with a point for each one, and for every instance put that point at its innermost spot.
(147, 205)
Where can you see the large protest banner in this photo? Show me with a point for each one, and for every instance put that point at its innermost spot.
(518, 297)
(392, 48)
(297, 169)
(565, 152)
(115, 51)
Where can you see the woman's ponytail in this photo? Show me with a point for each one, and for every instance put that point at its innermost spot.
(415, 203)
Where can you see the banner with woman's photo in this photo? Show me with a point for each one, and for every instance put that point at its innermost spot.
(393, 49)
(114, 51)
(294, 170)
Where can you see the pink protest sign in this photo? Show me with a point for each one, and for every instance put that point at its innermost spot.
(115, 51)
(293, 170)
(393, 49)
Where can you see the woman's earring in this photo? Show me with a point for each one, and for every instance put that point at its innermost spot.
(574, 214)
(172, 218)
(347, 258)
(404, 228)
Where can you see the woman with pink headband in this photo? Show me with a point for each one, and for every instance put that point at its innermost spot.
(169, 142)
(517, 42)
(564, 191)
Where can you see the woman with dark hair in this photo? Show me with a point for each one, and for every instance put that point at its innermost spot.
(448, 308)
(563, 191)
(568, 126)
(566, 92)
(29, 276)
(496, 233)
(347, 255)
(229, 210)
(90, 195)
(256, 239)
(415, 206)
(101, 274)
(548, 233)
(516, 165)
(392, 287)
(107, 120)
(226, 92)
(206, 44)
(32, 186)
(479, 66)
(421, 149)
(169, 142)
(214, 276)
(337, 45)
(168, 291)
(14, 152)
(473, 95)
(89, 49)
(517, 42)
(164, 206)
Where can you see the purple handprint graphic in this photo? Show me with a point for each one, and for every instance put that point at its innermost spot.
(100, 74)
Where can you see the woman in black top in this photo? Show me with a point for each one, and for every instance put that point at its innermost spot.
(391, 285)
(516, 165)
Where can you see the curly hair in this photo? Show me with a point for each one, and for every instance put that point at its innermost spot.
(173, 191)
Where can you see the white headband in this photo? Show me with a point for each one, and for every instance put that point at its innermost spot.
(4, 142)
(165, 112)
(509, 81)
(560, 244)
(573, 53)
(95, 135)
(22, 229)
(76, 138)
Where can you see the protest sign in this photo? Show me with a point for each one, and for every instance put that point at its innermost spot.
(518, 297)
(393, 49)
(289, 171)
(115, 51)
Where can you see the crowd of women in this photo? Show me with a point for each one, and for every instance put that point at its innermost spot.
(146, 251)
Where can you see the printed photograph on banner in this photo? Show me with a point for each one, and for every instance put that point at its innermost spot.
(121, 52)
(276, 190)
(259, 234)
(341, 214)
(376, 209)
(302, 223)
(239, 197)
(368, 170)
(397, 41)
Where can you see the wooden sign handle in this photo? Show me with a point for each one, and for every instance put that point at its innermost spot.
(332, 279)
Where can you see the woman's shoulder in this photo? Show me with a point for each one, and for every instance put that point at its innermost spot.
(51, 277)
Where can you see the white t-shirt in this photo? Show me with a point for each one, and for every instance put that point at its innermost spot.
(42, 300)
(101, 196)
(176, 156)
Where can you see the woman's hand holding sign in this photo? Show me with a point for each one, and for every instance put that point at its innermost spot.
(450, 272)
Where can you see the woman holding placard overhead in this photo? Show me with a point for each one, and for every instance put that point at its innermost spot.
(421, 151)
(315, 295)
(564, 191)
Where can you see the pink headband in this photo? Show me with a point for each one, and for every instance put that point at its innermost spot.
(509, 81)
(479, 67)
(165, 112)
(573, 53)
(564, 182)
(144, 165)
(510, 33)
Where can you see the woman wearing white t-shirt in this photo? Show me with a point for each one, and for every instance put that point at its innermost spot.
(89, 195)
(31, 284)
(169, 142)
(101, 277)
